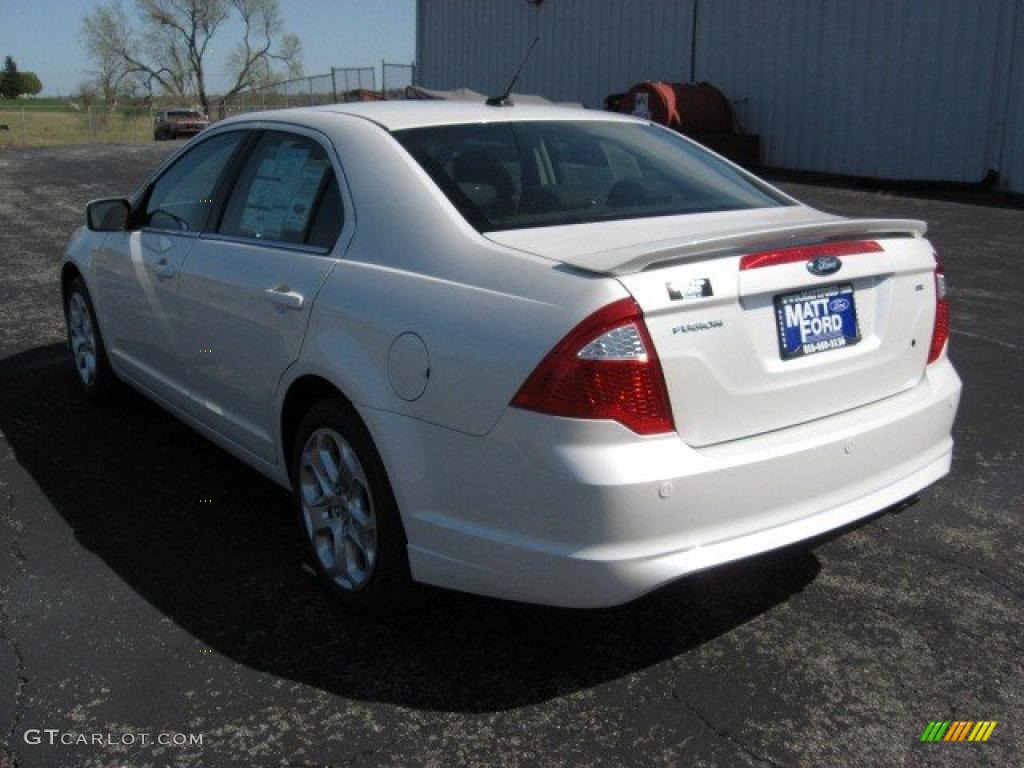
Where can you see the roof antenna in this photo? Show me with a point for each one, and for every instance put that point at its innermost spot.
(503, 100)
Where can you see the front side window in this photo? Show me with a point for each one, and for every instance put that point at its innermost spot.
(511, 175)
(286, 192)
(182, 197)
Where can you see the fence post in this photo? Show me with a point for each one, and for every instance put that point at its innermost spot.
(334, 88)
(311, 101)
(24, 130)
(383, 79)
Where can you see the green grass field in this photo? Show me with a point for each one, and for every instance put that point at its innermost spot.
(42, 102)
(50, 122)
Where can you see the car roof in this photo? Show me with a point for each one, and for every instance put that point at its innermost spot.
(396, 115)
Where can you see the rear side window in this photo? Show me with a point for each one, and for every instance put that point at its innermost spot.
(286, 193)
(181, 198)
(328, 218)
(511, 175)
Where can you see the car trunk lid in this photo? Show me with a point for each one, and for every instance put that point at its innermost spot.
(716, 321)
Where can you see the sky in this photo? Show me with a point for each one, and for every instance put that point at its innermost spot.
(44, 36)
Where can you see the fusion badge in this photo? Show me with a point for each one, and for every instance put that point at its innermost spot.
(700, 325)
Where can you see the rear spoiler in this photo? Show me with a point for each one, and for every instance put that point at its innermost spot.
(635, 258)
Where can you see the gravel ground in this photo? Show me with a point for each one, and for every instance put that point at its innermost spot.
(129, 607)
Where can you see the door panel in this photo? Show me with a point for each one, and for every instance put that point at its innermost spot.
(137, 273)
(248, 288)
(137, 278)
(244, 311)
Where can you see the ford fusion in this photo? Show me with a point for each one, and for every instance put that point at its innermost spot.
(542, 354)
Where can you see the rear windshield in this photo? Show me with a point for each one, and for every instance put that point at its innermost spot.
(184, 113)
(512, 175)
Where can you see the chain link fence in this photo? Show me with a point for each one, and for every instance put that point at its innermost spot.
(303, 91)
(394, 78)
(340, 84)
(53, 125)
(57, 122)
(351, 80)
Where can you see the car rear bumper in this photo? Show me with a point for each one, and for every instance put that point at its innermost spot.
(586, 514)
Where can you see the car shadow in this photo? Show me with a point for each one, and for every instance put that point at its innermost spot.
(209, 543)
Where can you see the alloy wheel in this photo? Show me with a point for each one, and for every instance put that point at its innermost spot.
(338, 510)
(83, 339)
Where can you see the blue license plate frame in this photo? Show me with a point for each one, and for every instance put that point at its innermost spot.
(816, 320)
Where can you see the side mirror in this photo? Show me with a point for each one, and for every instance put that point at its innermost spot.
(110, 214)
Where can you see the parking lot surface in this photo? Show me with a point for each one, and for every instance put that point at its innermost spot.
(130, 605)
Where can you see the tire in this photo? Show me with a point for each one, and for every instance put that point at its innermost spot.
(85, 344)
(357, 545)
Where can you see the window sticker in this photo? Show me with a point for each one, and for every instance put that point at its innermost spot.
(281, 197)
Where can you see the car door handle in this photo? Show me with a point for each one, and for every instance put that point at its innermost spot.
(164, 268)
(283, 295)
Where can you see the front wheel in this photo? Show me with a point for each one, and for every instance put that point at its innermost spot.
(85, 343)
(347, 515)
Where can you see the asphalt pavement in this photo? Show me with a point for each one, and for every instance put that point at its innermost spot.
(151, 588)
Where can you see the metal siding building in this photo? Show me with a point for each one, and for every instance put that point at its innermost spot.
(1011, 160)
(894, 89)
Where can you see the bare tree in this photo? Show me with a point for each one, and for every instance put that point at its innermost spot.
(166, 48)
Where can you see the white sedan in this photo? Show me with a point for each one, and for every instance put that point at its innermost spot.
(549, 355)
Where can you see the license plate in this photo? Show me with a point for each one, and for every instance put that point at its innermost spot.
(816, 320)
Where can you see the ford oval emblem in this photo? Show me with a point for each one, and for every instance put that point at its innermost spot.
(824, 265)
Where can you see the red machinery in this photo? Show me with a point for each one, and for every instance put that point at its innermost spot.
(698, 110)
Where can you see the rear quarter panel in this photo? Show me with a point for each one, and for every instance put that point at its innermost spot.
(486, 313)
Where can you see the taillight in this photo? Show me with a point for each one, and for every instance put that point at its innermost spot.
(605, 368)
(940, 333)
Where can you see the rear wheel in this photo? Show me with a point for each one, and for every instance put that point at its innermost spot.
(85, 343)
(347, 516)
